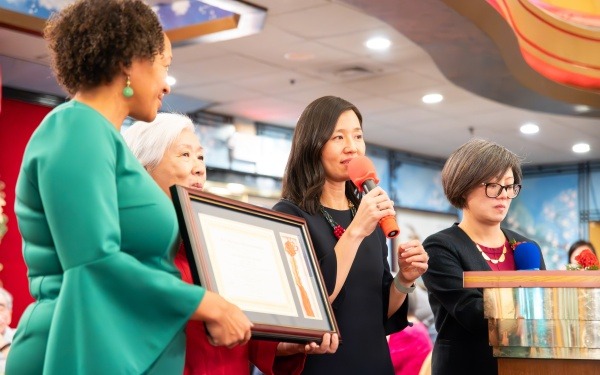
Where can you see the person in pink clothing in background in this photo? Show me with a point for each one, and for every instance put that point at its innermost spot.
(410, 348)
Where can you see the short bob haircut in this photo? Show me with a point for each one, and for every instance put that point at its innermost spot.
(90, 41)
(148, 141)
(476, 162)
(304, 175)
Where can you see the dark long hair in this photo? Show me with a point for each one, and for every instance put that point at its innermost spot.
(304, 175)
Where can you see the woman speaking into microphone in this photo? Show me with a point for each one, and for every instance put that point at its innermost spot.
(351, 248)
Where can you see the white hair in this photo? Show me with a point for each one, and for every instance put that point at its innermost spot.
(8, 298)
(150, 140)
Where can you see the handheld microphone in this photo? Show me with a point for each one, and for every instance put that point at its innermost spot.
(364, 177)
(527, 256)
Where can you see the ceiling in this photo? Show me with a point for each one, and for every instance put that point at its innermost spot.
(434, 49)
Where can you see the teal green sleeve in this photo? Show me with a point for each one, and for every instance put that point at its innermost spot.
(114, 313)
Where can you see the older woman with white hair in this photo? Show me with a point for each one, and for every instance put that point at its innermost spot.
(172, 154)
(169, 150)
(6, 333)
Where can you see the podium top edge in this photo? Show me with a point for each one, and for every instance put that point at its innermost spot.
(531, 279)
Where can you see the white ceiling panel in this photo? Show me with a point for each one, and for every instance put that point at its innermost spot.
(249, 78)
(324, 21)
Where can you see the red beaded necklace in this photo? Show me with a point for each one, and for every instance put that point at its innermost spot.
(338, 230)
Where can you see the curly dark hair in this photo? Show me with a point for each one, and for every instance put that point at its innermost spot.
(90, 41)
(304, 175)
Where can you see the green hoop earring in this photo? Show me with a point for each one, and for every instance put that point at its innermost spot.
(128, 91)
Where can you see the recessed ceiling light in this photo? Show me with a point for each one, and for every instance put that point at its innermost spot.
(530, 128)
(171, 80)
(581, 108)
(432, 98)
(378, 43)
(581, 148)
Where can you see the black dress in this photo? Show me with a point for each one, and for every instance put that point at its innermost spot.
(361, 306)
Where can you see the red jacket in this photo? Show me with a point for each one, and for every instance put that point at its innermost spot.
(203, 358)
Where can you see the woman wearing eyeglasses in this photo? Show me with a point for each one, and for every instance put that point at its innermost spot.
(480, 178)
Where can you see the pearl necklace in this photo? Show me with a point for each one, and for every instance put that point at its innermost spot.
(494, 261)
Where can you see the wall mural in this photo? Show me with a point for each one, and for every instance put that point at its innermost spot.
(547, 211)
(420, 188)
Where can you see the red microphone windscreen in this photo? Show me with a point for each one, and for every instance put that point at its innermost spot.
(361, 169)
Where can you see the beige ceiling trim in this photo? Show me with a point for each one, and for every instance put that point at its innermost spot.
(205, 28)
(21, 22)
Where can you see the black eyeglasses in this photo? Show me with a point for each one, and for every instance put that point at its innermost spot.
(493, 190)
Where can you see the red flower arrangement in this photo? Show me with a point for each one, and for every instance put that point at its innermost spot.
(587, 260)
(514, 244)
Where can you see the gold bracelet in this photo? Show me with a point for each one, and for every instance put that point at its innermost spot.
(401, 288)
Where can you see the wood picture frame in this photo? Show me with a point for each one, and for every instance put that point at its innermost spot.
(259, 259)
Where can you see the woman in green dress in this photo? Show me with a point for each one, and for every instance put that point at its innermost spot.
(99, 236)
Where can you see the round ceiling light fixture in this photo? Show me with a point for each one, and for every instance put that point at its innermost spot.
(529, 128)
(581, 148)
(581, 108)
(378, 43)
(432, 98)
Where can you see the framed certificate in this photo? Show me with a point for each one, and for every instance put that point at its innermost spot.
(259, 259)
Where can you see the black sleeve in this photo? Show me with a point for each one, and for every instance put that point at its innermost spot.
(444, 282)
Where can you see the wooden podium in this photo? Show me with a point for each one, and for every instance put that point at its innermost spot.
(542, 322)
